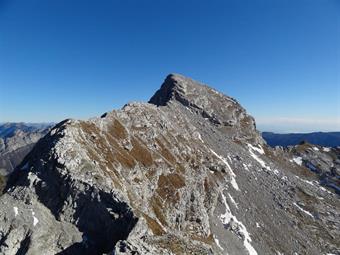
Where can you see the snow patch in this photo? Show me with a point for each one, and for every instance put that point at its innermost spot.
(198, 136)
(245, 167)
(218, 243)
(303, 210)
(260, 161)
(257, 225)
(259, 150)
(316, 148)
(35, 219)
(233, 201)
(232, 174)
(326, 149)
(298, 160)
(16, 211)
(314, 184)
(228, 218)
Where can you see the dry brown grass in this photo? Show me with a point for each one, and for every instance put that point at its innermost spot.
(117, 130)
(166, 194)
(168, 185)
(158, 209)
(204, 239)
(175, 245)
(206, 185)
(165, 152)
(141, 153)
(155, 227)
(180, 168)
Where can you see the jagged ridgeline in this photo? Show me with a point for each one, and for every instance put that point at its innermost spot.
(186, 173)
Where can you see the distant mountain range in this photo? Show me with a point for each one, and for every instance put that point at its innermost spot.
(9, 129)
(16, 140)
(328, 139)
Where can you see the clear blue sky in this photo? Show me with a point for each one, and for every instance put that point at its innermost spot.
(68, 58)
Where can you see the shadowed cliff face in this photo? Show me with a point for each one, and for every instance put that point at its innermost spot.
(186, 173)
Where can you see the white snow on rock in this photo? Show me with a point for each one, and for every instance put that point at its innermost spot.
(276, 171)
(232, 200)
(245, 167)
(35, 219)
(16, 211)
(315, 184)
(198, 136)
(259, 150)
(316, 148)
(326, 149)
(228, 217)
(298, 160)
(303, 210)
(232, 174)
(252, 151)
(218, 243)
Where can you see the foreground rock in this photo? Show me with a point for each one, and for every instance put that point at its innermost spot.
(186, 173)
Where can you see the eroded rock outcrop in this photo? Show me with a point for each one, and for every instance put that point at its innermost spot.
(186, 173)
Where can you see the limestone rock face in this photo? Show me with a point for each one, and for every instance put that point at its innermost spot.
(186, 173)
(222, 111)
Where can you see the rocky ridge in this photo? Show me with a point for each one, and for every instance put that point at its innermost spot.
(186, 173)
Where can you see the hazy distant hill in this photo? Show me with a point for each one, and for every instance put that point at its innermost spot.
(329, 139)
(16, 140)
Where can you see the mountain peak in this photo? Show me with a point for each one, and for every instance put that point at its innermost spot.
(221, 110)
(172, 85)
(182, 89)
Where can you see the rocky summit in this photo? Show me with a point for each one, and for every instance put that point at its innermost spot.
(186, 173)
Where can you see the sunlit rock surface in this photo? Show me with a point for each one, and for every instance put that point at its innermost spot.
(186, 173)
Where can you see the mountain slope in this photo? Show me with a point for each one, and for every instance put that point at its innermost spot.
(186, 173)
